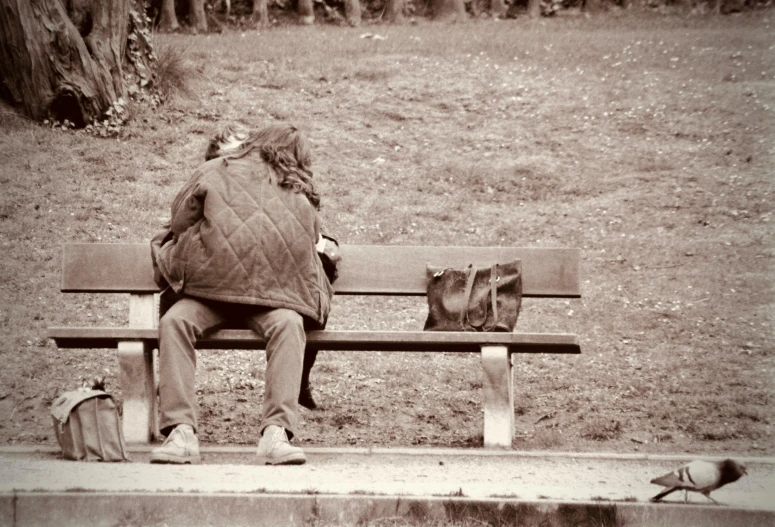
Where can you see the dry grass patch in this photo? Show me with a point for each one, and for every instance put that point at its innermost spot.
(644, 140)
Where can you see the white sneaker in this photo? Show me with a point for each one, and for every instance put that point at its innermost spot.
(180, 447)
(275, 449)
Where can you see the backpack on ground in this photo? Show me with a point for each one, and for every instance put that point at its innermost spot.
(88, 427)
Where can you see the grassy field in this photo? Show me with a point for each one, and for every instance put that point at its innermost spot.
(646, 140)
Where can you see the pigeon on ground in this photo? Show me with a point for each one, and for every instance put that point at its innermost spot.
(700, 476)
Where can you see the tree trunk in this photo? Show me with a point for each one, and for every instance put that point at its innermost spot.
(168, 20)
(591, 6)
(534, 8)
(306, 12)
(55, 69)
(449, 10)
(196, 15)
(260, 12)
(394, 11)
(352, 12)
(497, 8)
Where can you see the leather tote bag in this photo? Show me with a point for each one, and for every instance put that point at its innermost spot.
(474, 299)
(88, 427)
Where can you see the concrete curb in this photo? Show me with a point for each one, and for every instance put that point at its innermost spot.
(344, 487)
(98, 509)
(247, 450)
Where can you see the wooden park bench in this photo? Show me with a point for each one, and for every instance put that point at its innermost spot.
(364, 270)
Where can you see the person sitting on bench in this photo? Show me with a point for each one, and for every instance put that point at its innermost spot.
(242, 246)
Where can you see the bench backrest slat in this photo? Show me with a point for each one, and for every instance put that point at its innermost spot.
(365, 269)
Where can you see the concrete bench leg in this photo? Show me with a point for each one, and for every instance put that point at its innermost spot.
(498, 387)
(136, 366)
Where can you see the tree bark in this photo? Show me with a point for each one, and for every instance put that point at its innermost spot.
(394, 11)
(168, 20)
(55, 69)
(449, 10)
(352, 12)
(534, 8)
(497, 8)
(591, 6)
(306, 12)
(197, 17)
(260, 12)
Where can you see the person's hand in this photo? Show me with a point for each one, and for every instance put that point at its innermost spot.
(320, 246)
(328, 250)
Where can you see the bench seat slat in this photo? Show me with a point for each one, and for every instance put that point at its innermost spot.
(108, 337)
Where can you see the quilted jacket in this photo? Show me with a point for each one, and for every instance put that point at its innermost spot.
(238, 237)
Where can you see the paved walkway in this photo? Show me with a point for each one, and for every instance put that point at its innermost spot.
(415, 473)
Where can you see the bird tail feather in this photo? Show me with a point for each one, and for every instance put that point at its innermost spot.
(668, 480)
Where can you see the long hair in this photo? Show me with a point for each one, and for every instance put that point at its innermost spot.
(282, 146)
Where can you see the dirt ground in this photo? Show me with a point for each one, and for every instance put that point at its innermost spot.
(645, 140)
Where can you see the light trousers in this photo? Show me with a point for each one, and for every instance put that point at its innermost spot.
(191, 318)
